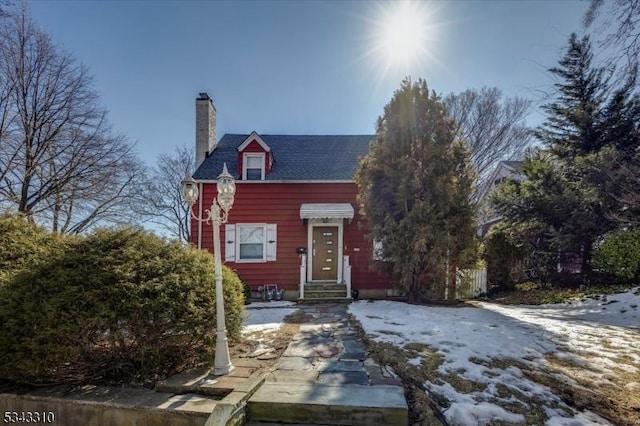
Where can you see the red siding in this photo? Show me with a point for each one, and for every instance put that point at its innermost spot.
(279, 203)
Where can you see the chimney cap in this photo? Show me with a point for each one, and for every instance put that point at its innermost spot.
(204, 96)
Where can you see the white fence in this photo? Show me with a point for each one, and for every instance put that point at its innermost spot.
(470, 283)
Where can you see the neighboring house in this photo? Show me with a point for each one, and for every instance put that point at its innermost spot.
(487, 217)
(295, 220)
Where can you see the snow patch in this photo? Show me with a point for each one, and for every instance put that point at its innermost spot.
(471, 340)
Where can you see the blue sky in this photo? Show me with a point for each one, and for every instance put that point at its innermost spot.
(295, 67)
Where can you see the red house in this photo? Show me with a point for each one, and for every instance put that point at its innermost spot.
(294, 223)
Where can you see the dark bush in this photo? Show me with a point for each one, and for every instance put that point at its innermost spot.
(246, 290)
(114, 307)
(502, 258)
(619, 255)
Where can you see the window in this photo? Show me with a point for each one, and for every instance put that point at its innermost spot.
(253, 166)
(499, 181)
(250, 242)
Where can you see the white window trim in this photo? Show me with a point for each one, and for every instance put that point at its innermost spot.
(264, 243)
(254, 136)
(246, 156)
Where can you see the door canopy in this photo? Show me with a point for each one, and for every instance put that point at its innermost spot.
(326, 211)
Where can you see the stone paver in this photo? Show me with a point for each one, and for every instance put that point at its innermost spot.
(352, 377)
(337, 404)
(327, 350)
(324, 376)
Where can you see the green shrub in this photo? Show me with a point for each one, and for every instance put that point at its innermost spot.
(114, 307)
(501, 256)
(619, 254)
(22, 244)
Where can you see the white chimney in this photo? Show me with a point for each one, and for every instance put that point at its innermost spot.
(205, 127)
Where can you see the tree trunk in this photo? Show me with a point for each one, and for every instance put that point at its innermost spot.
(585, 267)
(453, 268)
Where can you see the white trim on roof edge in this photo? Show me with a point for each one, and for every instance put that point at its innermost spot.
(254, 136)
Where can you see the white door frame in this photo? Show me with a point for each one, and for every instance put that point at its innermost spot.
(339, 223)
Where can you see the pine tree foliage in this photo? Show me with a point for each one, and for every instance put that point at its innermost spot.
(573, 191)
(551, 215)
(574, 121)
(414, 190)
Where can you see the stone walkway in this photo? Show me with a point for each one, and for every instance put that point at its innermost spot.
(328, 350)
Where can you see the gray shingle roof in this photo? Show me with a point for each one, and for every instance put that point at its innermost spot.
(296, 157)
(514, 165)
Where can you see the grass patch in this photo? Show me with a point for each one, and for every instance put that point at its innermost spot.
(611, 402)
(515, 400)
(529, 293)
(463, 385)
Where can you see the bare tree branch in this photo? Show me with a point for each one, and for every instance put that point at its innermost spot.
(60, 160)
(164, 205)
(618, 24)
(493, 126)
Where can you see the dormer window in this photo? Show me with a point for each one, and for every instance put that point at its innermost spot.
(254, 158)
(253, 166)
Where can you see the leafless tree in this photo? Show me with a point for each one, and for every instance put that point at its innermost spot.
(164, 205)
(60, 161)
(5, 5)
(618, 24)
(493, 126)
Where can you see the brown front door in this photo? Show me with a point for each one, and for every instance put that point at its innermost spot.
(325, 253)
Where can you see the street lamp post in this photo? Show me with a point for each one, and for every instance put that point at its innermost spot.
(216, 215)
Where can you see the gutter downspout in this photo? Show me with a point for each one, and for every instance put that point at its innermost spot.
(200, 215)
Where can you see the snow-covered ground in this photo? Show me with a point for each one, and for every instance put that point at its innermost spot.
(266, 316)
(595, 334)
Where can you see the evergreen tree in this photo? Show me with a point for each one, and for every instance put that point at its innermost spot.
(570, 194)
(414, 190)
(549, 214)
(573, 126)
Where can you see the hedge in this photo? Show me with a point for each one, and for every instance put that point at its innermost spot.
(618, 254)
(22, 244)
(118, 306)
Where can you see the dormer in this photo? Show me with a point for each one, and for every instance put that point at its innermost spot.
(254, 158)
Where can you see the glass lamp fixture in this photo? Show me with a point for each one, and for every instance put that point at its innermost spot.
(189, 189)
(226, 189)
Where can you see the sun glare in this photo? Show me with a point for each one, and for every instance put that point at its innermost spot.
(403, 35)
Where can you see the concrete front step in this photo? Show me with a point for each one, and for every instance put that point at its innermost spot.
(327, 404)
(319, 294)
(316, 300)
(325, 292)
(324, 286)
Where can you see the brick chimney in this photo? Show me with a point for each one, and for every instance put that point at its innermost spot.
(205, 127)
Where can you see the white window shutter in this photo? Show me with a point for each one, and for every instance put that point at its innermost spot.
(229, 243)
(272, 242)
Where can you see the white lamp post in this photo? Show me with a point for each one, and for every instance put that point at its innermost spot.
(216, 215)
